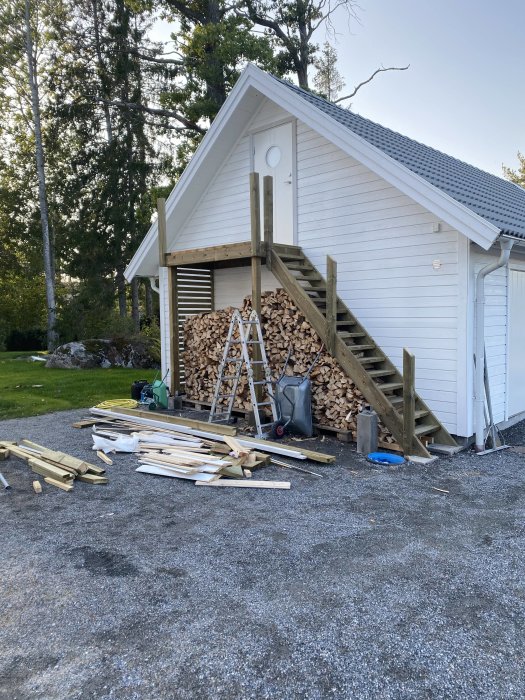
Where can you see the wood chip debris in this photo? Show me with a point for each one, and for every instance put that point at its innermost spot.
(58, 468)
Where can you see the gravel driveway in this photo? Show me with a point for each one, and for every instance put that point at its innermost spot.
(366, 583)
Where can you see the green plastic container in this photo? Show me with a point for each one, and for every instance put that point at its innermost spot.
(160, 393)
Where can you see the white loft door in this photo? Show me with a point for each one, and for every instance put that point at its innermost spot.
(273, 155)
(516, 378)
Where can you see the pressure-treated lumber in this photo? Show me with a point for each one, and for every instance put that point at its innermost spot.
(409, 400)
(56, 473)
(176, 421)
(161, 230)
(249, 484)
(104, 457)
(37, 486)
(218, 253)
(58, 484)
(92, 479)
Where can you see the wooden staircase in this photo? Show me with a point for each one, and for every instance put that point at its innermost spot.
(358, 354)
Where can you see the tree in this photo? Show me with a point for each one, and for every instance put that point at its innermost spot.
(23, 54)
(516, 176)
(291, 24)
(328, 80)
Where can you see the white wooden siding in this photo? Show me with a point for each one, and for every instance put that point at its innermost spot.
(232, 284)
(385, 245)
(223, 212)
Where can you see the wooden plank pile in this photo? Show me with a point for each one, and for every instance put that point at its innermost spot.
(58, 468)
(193, 450)
(336, 400)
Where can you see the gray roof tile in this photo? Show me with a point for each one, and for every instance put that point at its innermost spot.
(499, 201)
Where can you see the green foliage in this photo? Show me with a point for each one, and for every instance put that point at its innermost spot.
(31, 389)
(516, 176)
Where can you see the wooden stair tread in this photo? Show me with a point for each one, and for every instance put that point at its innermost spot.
(374, 360)
(380, 373)
(361, 348)
(390, 386)
(426, 429)
(345, 334)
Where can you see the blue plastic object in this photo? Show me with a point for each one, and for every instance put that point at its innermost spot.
(384, 458)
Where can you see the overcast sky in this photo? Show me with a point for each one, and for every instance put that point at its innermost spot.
(464, 92)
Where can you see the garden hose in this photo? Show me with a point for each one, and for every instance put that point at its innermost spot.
(118, 403)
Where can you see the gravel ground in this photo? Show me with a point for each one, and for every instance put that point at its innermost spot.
(366, 583)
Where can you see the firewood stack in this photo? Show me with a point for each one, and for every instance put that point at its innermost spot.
(336, 400)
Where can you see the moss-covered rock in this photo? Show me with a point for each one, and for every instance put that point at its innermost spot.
(133, 353)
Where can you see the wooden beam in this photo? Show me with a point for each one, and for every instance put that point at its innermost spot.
(161, 230)
(178, 421)
(268, 217)
(249, 484)
(255, 213)
(409, 400)
(173, 315)
(217, 253)
(331, 304)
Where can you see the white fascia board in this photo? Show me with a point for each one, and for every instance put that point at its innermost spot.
(432, 198)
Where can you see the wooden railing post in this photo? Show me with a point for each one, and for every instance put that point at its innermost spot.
(331, 303)
(255, 212)
(161, 230)
(409, 400)
(268, 218)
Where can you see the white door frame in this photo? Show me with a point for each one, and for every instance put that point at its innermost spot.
(266, 127)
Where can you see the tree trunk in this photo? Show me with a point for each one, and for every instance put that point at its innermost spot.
(49, 263)
(135, 309)
(149, 299)
(121, 291)
(102, 72)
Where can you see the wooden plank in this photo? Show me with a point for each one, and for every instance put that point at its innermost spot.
(409, 400)
(247, 484)
(37, 486)
(58, 484)
(268, 217)
(161, 230)
(4, 453)
(101, 455)
(179, 421)
(166, 471)
(211, 254)
(255, 214)
(173, 315)
(48, 470)
(331, 303)
(93, 479)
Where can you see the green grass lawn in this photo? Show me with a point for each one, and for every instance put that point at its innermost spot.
(31, 389)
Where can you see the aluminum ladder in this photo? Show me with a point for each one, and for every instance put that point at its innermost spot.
(249, 333)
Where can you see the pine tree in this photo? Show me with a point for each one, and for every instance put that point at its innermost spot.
(328, 80)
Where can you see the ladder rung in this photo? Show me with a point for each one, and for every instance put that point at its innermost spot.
(265, 403)
(226, 379)
(253, 342)
(225, 396)
(265, 381)
(250, 323)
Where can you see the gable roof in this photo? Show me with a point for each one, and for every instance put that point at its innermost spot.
(497, 200)
(427, 176)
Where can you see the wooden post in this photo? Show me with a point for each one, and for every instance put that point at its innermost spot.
(331, 303)
(409, 400)
(255, 210)
(161, 230)
(268, 218)
(173, 331)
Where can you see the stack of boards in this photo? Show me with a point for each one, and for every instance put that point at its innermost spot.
(58, 468)
(186, 449)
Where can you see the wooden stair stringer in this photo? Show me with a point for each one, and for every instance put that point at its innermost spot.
(352, 366)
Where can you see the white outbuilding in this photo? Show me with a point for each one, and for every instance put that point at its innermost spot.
(430, 251)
